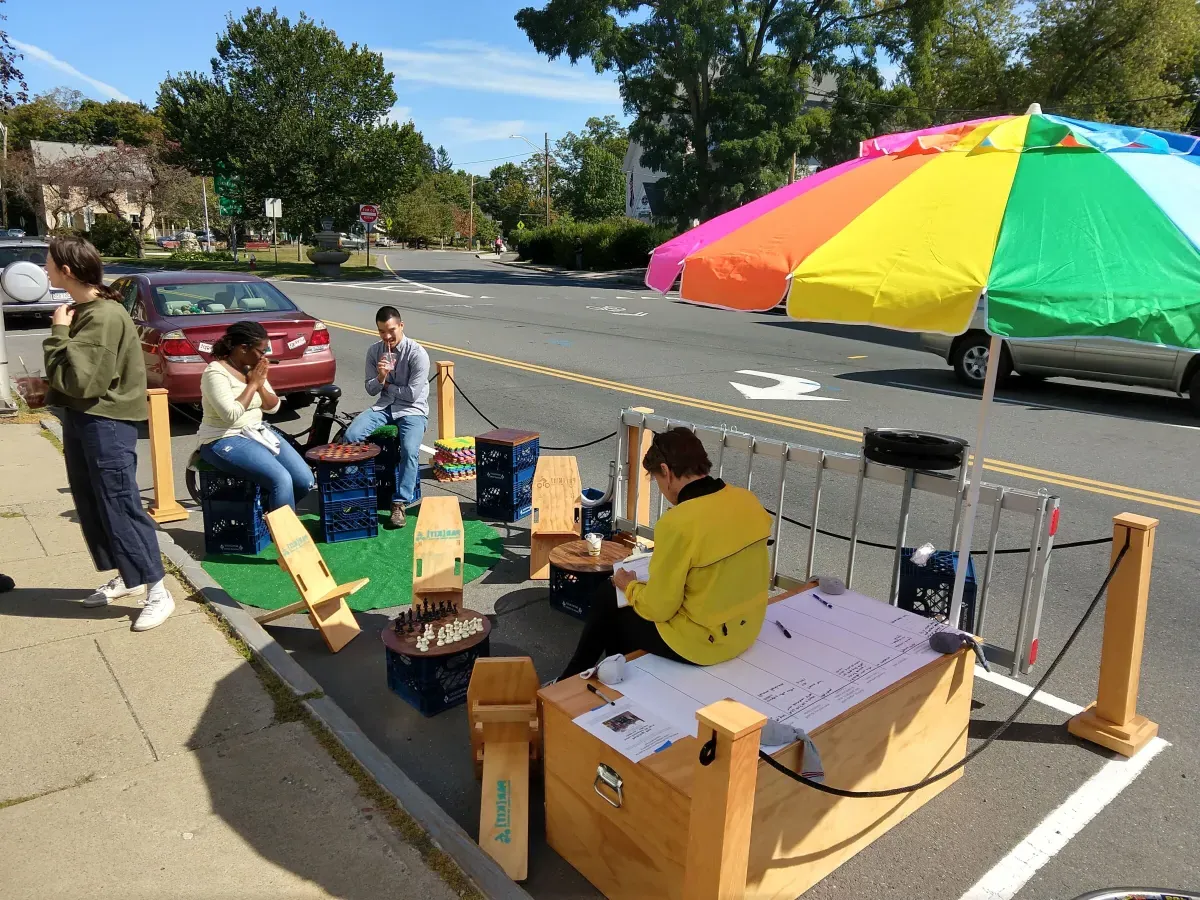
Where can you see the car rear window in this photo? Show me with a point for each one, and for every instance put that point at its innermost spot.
(10, 255)
(219, 298)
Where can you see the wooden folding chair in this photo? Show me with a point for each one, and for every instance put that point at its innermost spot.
(322, 597)
(438, 549)
(505, 736)
(557, 510)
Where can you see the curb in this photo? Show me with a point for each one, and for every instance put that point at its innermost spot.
(487, 875)
(588, 277)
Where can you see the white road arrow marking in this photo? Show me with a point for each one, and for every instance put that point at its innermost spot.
(631, 314)
(786, 387)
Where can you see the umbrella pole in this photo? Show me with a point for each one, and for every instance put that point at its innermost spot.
(968, 529)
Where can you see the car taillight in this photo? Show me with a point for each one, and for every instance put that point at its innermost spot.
(319, 340)
(174, 347)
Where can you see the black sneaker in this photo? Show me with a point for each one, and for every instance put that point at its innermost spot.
(398, 518)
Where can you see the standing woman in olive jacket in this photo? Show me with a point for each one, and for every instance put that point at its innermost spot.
(98, 377)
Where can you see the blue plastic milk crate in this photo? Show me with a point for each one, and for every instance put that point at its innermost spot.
(234, 526)
(215, 485)
(506, 451)
(341, 481)
(348, 520)
(927, 590)
(433, 684)
(506, 499)
(597, 519)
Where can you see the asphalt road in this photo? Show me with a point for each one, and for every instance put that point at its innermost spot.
(562, 356)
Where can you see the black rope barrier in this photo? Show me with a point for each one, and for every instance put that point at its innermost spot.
(707, 752)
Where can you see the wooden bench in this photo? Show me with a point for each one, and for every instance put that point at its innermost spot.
(557, 511)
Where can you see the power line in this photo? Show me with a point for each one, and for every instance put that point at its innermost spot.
(499, 158)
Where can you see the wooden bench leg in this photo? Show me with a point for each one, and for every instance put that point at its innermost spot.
(282, 611)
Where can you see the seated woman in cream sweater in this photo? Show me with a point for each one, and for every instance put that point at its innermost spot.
(233, 438)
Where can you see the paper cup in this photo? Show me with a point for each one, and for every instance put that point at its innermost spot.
(594, 542)
(33, 389)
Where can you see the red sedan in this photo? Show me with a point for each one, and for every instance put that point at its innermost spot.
(179, 316)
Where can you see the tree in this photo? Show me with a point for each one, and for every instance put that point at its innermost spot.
(442, 162)
(421, 214)
(66, 115)
(12, 82)
(509, 197)
(716, 86)
(294, 113)
(590, 181)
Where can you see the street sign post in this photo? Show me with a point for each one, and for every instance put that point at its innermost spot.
(368, 214)
(274, 210)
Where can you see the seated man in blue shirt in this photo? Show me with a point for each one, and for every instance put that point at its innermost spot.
(398, 374)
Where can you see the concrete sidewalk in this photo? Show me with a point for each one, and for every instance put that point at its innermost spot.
(158, 765)
(621, 276)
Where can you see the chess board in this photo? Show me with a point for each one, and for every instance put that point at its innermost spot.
(342, 453)
(405, 642)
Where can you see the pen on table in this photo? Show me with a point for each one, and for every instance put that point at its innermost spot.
(595, 690)
(787, 634)
(822, 600)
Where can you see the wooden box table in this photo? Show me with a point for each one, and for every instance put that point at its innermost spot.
(575, 574)
(640, 848)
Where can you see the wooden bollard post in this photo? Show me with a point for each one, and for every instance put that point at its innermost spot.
(445, 400)
(718, 850)
(1112, 721)
(164, 508)
(637, 493)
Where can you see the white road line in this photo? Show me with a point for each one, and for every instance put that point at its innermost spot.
(1014, 401)
(1007, 877)
(427, 287)
(1064, 706)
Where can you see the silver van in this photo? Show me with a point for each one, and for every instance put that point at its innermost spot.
(1093, 359)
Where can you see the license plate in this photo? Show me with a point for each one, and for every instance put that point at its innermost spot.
(298, 342)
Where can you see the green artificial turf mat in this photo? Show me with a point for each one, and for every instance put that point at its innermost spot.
(387, 560)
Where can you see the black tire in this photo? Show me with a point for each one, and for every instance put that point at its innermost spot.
(1194, 391)
(192, 479)
(970, 360)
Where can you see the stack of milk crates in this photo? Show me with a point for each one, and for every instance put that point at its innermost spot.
(504, 463)
(387, 466)
(347, 502)
(233, 514)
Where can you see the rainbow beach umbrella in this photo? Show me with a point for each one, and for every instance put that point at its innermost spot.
(1062, 228)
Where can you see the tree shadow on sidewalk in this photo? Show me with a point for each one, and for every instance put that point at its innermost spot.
(56, 603)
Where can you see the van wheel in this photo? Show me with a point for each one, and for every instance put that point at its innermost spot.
(1194, 391)
(970, 360)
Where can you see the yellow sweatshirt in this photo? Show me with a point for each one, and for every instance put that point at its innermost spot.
(709, 575)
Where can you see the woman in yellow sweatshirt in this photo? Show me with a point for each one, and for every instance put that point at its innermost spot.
(706, 596)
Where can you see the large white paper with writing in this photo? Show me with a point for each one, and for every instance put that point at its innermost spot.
(639, 565)
(834, 659)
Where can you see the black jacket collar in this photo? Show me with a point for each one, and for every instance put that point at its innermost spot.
(701, 487)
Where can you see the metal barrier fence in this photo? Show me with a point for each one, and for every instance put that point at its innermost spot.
(1041, 508)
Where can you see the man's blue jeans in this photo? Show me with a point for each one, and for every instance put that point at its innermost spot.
(410, 431)
(286, 477)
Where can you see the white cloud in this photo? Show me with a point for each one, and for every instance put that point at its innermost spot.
(54, 62)
(474, 66)
(398, 114)
(467, 131)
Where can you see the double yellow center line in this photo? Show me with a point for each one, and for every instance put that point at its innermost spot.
(1045, 476)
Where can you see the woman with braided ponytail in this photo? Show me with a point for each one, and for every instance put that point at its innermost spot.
(233, 437)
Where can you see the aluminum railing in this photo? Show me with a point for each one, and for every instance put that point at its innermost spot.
(1040, 507)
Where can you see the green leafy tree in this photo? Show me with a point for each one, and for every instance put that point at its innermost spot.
(66, 115)
(509, 196)
(12, 82)
(421, 214)
(292, 112)
(590, 181)
(442, 162)
(716, 86)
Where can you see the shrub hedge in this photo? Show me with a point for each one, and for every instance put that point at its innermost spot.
(201, 256)
(611, 244)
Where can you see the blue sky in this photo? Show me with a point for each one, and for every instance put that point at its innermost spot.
(465, 74)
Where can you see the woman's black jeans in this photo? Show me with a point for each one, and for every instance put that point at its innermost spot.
(101, 457)
(610, 630)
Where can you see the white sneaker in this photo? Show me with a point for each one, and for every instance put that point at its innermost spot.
(107, 593)
(159, 605)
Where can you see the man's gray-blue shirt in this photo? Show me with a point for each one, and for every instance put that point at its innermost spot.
(406, 390)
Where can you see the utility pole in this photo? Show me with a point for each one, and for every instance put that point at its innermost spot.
(547, 162)
(4, 190)
(471, 218)
(793, 181)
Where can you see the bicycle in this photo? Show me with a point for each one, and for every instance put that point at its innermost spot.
(326, 421)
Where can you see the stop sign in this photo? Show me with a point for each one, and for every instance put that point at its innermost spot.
(368, 213)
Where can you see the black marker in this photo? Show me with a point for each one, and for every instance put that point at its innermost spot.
(787, 634)
(595, 690)
(822, 600)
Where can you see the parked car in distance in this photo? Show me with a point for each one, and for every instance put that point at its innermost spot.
(180, 315)
(351, 241)
(384, 241)
(1093, 359)
(24, 285)
(15, 232)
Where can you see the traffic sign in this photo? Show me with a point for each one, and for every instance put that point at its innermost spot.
(274, 208)
(228, 206)
(368, 213)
